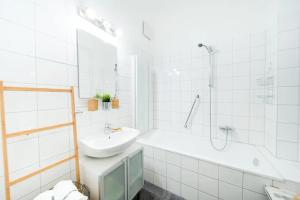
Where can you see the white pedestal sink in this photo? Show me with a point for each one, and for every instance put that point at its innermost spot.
(104, 145)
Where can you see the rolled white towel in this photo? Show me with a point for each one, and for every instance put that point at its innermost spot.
(62, 189)
(47, 195)
(76, 196)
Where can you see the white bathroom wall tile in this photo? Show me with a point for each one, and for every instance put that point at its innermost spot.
(10, 63)
(241, 96)
(149, 176)
(287, 150)
(53, 117)
(287, 132)
(241, 83)
(299, 147)
(48, 101)
(189, 192)
(288, 77)
(288, 58)
(287, 185)
(2, 192)
(53, 25)
(257, 110)
(255, 183)
(160, 167)
(241, 56)
(225, 83)
(288, 39)
(224, 58)
(160, 181)
(173, 186)
(51, 48)
(16, 38)
(208, 169)
(258, 67)
(31, 195)
(287, 114)
(189, 178)
(241, 109)
(241, 69)
(286, 21)
(258, 96)
(257, 124)
(241, 123)
(241, 42)
(20, 121)
(173, 158)
(229, 192)
(240, 136)
(18, 11)
(26, 147)
(288, 95)
(58, 138)
(72, 54)
(258, 53)
(173, 172)
(13, 103)
(189, 163)
(225, 71)
(73, 76)
(208, 185)
(249, 195)
(224, 109)
(204, 196)
(231, 176)
(54, 174)
(25, 187)
(258, 39)
(52, 73)
(148, 151)
(159, 154)
(257, 137)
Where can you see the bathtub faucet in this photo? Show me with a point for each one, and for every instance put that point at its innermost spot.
(226, 129)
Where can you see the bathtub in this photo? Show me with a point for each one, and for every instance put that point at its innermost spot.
(241, 171)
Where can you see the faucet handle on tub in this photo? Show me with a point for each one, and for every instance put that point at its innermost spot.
(226, 129)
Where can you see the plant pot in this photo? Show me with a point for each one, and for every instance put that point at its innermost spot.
(115, 103)
(105, 105)
(92, 105)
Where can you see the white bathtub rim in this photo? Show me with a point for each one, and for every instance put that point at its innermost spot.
(266, 169)
(290, 170)
(278, 177)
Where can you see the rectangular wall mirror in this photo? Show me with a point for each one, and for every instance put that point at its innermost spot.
(97, 61)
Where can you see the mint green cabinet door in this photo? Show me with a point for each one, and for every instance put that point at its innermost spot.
(135, 174)
(114, 184)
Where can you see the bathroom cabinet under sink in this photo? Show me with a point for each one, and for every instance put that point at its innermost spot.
(115, 178)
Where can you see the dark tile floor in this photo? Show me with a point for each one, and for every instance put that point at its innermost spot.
(152, 192)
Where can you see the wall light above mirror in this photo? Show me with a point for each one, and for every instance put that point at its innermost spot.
(91, 16)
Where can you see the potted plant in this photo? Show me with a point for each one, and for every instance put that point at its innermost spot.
(105, 98)
(93, 103)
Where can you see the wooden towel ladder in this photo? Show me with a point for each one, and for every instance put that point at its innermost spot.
(5, 135)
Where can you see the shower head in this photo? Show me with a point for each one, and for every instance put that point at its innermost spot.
(208, 48)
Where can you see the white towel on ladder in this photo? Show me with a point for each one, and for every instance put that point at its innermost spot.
(48, 195)
(63, 189)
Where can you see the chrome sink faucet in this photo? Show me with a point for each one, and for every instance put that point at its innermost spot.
(107, 128)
